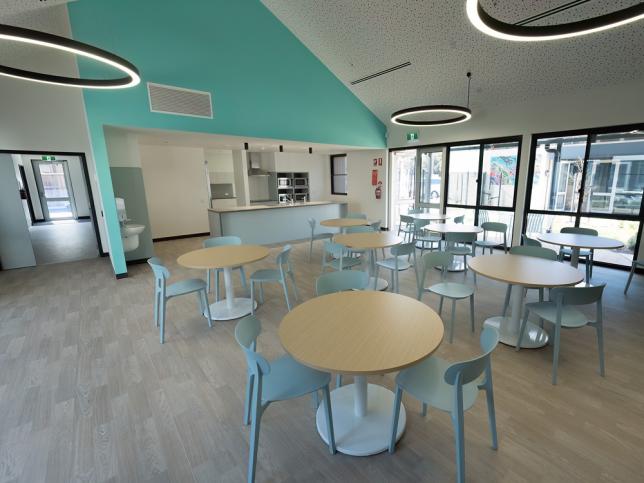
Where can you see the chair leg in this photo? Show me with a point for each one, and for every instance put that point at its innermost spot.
(630, 277)
(310, 249)
(394, 419)
(555, 355)
(242, 276)
(204, 294)
(208, 273)
(338, 380)
(600, 348)
(157, 297)
(440, 305)
(524, 322)
(288, 304)
(397, 284)
(329, 418)
(261, 292)
(254, 431)
(250, 379)
(162, 321)
(252, 297)
(315, 399)
(451, 325)
(491, 415)
(472, 311)
(506, 302)
(459, 436)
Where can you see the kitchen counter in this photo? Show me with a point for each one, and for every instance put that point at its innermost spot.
(267, 224)
(266, 206)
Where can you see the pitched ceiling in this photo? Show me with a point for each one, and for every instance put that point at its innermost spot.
(355, 38)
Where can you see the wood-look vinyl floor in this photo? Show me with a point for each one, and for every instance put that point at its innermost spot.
(87, 393)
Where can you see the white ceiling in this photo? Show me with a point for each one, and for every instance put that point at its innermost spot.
(354, 38)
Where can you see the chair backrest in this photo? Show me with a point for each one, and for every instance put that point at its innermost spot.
(334, 249)
(312, 223)
(579, 230)
(459, 219)
(246, 332)
(532, 251)
(161, 273)
(495, 226)
(375, 226)
(360, 216)
(283, 258)
(359, 229)
(437, 259)
(406, 219)
(529, 242)
(460, 237)
(414, 211)
(340, 281)
(219, 241)
(577, 295)
(467, 371)
(403, 249)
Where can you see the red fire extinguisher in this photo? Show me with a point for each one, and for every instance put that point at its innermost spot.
(379, 190)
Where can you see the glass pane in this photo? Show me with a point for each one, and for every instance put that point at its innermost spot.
(53, 180)
(622, 230)
(59, 209)
(340, 184)
(430, 177)
(467, 213)
(463, 173)
(538, 224)
(498, 176)
(615, 174)
(340, 165)
(506, 217)
(557, 173)
(403, 170)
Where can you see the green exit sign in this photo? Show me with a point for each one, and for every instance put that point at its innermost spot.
(48, 158)
(412, 136)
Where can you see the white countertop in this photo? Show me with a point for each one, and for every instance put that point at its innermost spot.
(233, 209)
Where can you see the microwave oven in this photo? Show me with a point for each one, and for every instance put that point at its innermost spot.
(300, 182)
(284, 182)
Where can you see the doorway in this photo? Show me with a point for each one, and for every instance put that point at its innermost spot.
(54, 189)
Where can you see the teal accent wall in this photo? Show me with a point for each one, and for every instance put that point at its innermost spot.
(265, 82)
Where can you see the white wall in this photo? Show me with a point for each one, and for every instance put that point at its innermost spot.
(40, 117)
(609, 106)
(317, 165)
(175, 189)
(361, 193)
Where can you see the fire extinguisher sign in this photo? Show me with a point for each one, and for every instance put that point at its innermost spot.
(374, 177)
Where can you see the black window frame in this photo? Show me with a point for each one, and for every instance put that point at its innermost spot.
(333, 190)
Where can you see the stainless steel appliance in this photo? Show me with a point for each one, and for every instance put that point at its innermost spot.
(284, 182)
(300, 182)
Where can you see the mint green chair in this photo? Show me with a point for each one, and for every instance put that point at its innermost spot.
(332, 282)
(284, 269)
(529, 251)
(164, 292)
(561, 311)
(451, 290)
(453, 388)
(415, 211)
(459, 219)
(219, 241)
(634, 265)
(400, 254)
(461, 245)
(359, 216)
(406, 227)
(587, 255)
(278, 380)
(493, 227)
(316, 236)
(423, 239)
(339, 257)
(531, 242)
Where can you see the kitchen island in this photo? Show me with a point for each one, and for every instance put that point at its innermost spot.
(278, 223)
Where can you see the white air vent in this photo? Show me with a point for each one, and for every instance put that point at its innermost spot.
(177, 100)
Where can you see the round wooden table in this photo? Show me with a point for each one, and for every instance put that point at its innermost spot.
(429, 216)
(344, 223)
(371, 241)
(361, 333)
(443, 228)
(577, 242)
(226, 257)
(523, 272)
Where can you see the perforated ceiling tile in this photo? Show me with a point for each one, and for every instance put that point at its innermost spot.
(357, 37)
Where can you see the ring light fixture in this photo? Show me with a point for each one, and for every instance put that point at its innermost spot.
(520, 32)
(462, 113)
(34, 37)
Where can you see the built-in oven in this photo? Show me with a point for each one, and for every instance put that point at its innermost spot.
(299, 197)
(284, 182)
(284, 198)
(300, 182)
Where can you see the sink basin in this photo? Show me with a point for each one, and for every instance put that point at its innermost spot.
(130, 236)
(131, 229)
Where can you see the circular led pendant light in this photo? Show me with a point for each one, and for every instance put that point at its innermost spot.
(34, 37)
(462, 113)
(520, 32)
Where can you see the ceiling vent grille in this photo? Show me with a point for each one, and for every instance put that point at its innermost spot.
(180, 101)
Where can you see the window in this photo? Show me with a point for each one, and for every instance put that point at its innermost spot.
(592, 179)
(339, 174)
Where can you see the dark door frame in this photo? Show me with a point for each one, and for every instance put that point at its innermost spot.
(83, 162)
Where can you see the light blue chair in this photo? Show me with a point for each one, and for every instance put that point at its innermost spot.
(452, 388)
(561, 311)
(493, 227)
(164, 292)
(406, 227)
(529, 251)
(339, 257)
(587, 255)
(332, 282)
(415, 211)
(461, 245)
(459, 219)
(398, 262)
(451, 290)
(423, 239)
(278, 274)
(278, 380)
(634, 265)
(359, 216)
(530, 242)
(316, 236)
(219, 241)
